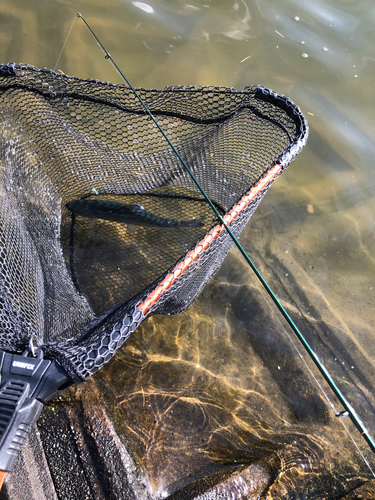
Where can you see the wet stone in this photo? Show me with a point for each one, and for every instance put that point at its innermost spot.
(76, 439)
(238, 483)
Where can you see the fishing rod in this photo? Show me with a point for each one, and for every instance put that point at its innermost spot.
(349, 410)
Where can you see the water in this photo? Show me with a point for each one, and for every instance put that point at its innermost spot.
(222, 384)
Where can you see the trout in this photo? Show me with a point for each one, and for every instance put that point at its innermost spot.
(127, 214)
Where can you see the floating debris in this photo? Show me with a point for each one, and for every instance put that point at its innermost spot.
(304, 55)
(296, 18)
(324, 49)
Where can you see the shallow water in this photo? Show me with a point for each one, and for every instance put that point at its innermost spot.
(222, 384)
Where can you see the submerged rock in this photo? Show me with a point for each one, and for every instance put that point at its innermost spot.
(213, 404)
(76, 453)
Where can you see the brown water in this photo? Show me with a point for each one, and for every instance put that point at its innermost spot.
(222, 384)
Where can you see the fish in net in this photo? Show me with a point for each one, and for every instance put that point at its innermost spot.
(101, 225)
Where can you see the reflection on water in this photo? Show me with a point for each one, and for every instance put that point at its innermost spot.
(196, 21)
(220, 387)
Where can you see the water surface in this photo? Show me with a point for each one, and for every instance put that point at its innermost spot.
(222, 384)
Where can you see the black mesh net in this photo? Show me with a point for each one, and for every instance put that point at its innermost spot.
(144, 239)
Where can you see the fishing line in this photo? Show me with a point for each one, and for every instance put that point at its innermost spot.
(352, 413)
(309, 369)
(63, 47)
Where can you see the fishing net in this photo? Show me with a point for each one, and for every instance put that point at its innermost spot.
(78, 282)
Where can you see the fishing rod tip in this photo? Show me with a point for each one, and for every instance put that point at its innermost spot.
(79, 14)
